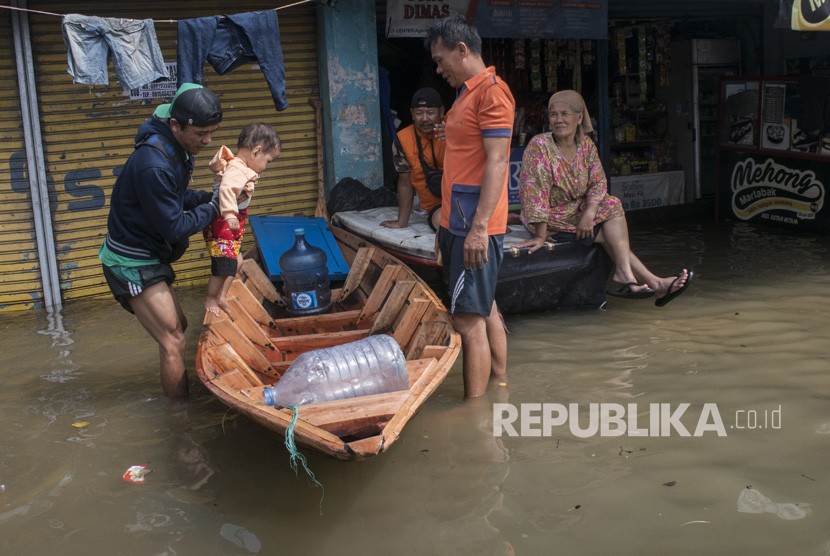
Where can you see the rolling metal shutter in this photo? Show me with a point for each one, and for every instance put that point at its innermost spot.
(20, 287)
(88, 131)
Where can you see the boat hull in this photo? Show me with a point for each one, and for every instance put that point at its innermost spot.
(242, 352)
(563, 275)
(568, 276)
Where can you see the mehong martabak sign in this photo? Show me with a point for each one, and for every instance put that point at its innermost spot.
(785, 192)
(804, 15)
(546, 19)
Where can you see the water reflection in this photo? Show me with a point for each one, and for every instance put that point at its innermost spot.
(61, 342)
(81, 403)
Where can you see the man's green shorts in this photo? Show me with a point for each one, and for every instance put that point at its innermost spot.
(126, 282)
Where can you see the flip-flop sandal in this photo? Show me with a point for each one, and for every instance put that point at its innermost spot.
(661, 301)
(626, 292)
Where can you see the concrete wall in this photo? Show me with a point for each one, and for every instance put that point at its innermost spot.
(347, 50)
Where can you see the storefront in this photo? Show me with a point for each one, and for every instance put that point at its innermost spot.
(536, 48)
(87, 131)
(649, 79)
(774, 150)
(774, 131)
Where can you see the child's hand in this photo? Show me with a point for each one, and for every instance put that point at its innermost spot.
(233, 223)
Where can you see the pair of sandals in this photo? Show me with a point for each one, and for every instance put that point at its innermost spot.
(627, 292)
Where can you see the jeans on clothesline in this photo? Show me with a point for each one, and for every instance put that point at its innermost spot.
(135, 51)
(227, 42)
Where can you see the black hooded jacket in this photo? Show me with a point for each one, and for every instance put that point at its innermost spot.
(152, 212)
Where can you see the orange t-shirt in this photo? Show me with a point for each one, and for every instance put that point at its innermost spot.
(484, 107)
(433, 154)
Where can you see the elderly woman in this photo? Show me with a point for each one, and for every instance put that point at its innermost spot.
(564, 193)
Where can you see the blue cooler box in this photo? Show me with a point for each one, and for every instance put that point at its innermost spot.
(275, 236)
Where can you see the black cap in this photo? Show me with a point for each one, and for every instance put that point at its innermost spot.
(193, 105)
(426, 98)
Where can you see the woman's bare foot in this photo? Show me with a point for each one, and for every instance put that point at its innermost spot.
(630, 282)
(677, 286)
(661, 287)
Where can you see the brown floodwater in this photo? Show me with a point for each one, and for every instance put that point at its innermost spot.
(743, 470)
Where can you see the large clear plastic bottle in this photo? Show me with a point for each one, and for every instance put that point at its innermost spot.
(372, 365)
(305, 278)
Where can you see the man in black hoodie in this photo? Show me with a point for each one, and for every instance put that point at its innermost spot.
(152, 215)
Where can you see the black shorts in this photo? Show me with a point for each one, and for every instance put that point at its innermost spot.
(127, 282)
(222, 266)
(471, 290)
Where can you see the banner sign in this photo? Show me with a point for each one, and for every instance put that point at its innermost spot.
(786, 191)
(411, 18)
(543, 19)
(515, 170)
(641, 191)
(165, 88)
(803, 15)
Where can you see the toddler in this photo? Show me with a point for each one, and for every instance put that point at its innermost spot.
(236, 176)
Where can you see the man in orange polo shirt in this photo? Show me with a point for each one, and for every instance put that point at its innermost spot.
(427, 126)
(479, 127)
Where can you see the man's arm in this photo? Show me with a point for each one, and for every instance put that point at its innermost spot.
(164, 208)
(404, 186)
(492, 185)
(405, 194)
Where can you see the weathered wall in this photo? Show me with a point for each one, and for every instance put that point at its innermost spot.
(349, 90)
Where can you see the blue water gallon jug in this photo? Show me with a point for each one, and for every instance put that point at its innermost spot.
(305, 278)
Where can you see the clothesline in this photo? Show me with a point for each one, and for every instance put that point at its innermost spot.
(136, 67)
(329, 2)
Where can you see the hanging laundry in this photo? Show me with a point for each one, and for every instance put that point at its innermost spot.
(227, 42)
(135, 51)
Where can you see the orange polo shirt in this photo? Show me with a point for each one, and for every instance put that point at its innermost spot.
(484, 107)
(434, 157)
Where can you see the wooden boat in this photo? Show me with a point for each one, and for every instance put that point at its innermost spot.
(247, 350)
(564, 275)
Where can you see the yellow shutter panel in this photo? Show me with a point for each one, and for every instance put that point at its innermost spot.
(20, 287)
(88, 132)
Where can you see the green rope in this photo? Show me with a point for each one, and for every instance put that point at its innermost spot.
(296, 456)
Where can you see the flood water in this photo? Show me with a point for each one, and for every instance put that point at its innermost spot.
(746, 345)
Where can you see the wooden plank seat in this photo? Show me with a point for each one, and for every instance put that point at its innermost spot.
(316, 324)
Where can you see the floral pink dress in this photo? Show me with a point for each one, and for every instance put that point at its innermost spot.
(555, 191)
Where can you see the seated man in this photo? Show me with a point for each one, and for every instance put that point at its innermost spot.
(419, 148)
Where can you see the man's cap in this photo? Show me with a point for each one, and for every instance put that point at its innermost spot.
(192, 105)
(426, 98)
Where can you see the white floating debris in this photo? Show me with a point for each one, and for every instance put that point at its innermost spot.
(750, 501)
